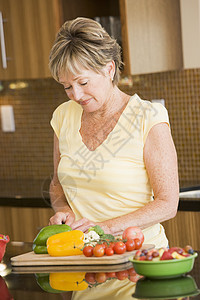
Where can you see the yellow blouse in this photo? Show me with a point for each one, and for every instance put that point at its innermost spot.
(111, 289)
(110, 181)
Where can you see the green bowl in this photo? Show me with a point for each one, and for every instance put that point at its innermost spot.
(184, 286)
(164, 268)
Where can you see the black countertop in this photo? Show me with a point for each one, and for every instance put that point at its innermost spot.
(27, 284)
(35, 193)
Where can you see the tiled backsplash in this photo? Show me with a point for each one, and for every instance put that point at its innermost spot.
(28, 152)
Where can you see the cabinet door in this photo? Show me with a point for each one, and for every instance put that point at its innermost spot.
(151, 35)
(184, 229)
(190, 20)
(30, 27)
(23, 223)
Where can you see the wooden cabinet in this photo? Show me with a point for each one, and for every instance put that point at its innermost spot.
(184, 229)
(89, 8)
(157, 35)
(190, 24)
(29, 27)
(160, 35)
(151, 35)
(23, 223)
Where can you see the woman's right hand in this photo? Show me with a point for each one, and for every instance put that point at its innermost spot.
(62, 218)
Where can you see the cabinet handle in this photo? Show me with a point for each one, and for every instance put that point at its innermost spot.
(3, 48)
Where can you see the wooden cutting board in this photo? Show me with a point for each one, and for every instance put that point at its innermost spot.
(71, 268)
(32, 259)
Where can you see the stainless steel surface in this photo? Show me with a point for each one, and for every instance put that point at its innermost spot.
(190, 194)
(3, 47)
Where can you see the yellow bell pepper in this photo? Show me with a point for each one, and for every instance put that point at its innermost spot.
(68, 281)
(66, 243)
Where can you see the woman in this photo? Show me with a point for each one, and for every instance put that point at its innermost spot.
(115, 163)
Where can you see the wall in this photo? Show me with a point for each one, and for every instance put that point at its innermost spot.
(27, 153)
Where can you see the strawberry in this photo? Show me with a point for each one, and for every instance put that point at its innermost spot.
(173, 249)
(166, 255)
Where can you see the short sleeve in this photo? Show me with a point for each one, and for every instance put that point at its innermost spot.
(58, 117)
(155, 113)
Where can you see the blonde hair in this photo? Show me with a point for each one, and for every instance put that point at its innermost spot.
(83, 43)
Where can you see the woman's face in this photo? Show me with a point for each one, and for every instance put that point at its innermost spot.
(89, 89)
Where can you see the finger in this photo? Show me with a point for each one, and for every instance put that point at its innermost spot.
(119, 233)
(55, 221)
(83, 228)
(58, 218)
(79, 223)
(69, 220)
(84, 225)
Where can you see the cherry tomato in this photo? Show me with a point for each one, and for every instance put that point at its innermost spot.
(109, 251)
(111, 245)
(88, 251)
(100, 277)
(133, 232)
(121, 275)
(90, 278)
(131, 272)
(138, 244)
(130, 245)
(119, 248)
(111, 275)
(105, 245)
(98, 250)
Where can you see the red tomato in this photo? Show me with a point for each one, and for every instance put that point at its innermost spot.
(88, 251)
(98, 250)
(109, 251)
(104, 245)
(133, 232)
(100, 277)
(121, 275)
(130, 245)
(111, 275)
(111, 245)
(131, 272)
(138, 244)
(119, 248)
(90, 278)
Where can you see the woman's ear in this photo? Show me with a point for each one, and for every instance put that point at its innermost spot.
(110, 69)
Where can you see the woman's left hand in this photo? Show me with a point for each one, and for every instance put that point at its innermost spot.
(84, 224)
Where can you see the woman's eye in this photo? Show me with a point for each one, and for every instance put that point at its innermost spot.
(84, 83)
(67, 88)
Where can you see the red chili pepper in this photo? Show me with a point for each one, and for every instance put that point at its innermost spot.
(4, 239)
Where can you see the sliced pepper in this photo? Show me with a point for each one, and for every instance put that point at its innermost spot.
(66, 243)
(39, 243)
(68, 281)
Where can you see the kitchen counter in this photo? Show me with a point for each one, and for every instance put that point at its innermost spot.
(29, 285)
(25, 192)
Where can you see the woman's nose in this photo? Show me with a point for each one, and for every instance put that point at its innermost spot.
(77, 93)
